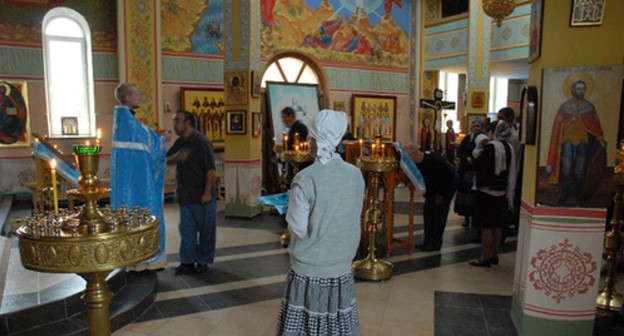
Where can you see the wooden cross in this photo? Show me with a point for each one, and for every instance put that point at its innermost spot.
(437, 105)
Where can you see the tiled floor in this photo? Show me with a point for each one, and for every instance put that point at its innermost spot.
(430, 293)
(240, 295)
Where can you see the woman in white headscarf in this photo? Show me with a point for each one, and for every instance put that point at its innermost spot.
(496, 179)
(323, 217)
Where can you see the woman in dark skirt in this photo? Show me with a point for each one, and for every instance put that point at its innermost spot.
(464, 201)
(496, 180)
(324, 207)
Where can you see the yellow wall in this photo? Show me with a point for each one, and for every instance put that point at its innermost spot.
(563, 45)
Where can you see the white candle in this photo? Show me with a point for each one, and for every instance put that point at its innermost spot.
(98, 136)
(361, 147)
(54, 191)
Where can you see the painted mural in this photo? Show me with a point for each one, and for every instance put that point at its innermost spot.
(364, 32)
(20, 21)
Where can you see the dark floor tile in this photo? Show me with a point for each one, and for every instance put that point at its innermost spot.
(168, 281)
(265, 293)
(495, 302)
(117, 280)
(498, 331)
(181, 306)
(151, 314)
(143, 305)
(468, 317)
(41, 315)
(120, 315)
(4, 326)
(463, 300)
(498, 319)
(74, 304)
(81, 319)
(226, 299)
(61, 328)
(460, 330)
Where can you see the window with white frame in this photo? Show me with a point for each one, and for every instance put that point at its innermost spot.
(290, 69)
(449, 84)
(68, 73)
(498, 94)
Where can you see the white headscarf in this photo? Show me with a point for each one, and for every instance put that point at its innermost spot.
(328, 129)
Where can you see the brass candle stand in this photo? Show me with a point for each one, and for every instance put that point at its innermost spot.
(609, 300)
(89, 242)
(283, 179)
(372, 268)
(296, 158)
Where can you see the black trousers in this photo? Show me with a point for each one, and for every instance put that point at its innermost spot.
(435, 215)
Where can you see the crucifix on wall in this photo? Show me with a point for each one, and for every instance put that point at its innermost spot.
(437, 105)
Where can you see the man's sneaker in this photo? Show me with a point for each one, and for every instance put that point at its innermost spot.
(185, 268)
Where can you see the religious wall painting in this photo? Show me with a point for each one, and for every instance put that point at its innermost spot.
(208, 107)
(340, 106)
(255, 83)
(20, 21)
(579, 131)
(535, 31)
(192, 27)
(236, 122)
(69, 125)
(587, 12)
(14, 117)
(478, 99)
(303, 98)
(236, 88)
(372, 116)
(426, 122)
(339, 31)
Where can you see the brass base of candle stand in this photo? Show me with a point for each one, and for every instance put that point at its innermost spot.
(372, 269)
(285, 238)
(610, 301)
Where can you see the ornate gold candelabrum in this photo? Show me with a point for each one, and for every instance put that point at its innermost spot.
(295, 157)
(372, 268)
(609, 300)
(89, 242)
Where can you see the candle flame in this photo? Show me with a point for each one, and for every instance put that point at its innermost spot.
(99, 133)
(53, 163)
(88, 143)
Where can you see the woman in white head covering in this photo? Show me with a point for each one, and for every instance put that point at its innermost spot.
(325, 204)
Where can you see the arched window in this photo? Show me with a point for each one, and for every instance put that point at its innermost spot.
(68, 73)
(291, 68)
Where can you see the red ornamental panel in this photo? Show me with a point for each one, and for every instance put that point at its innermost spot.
(563, 271)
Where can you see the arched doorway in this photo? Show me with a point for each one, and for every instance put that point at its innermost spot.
(293, 68)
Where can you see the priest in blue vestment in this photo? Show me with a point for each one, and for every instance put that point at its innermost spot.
(137, 168)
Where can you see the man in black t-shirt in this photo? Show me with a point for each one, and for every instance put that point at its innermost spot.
(193, 155)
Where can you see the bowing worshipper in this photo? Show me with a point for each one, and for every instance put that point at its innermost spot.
(325, 205)
(137, 168)
(496, 180)
(441, 182)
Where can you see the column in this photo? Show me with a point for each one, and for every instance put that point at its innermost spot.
(478, 81)
(243, 155)
(139, 53)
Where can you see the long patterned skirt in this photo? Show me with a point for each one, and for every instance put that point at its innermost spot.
(318, 306)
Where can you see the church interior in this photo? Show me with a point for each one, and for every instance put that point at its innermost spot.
(404, 71)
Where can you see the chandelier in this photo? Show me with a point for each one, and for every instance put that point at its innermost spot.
(498, 9)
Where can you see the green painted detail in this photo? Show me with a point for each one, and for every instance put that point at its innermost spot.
(105, 66)
(201, 70)
(352, 79)
(527, 325)
(239, 209)
(28, 62)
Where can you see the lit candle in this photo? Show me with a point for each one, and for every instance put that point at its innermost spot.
(296, 148)
(361, 147)
(284, 139)
(54, 192)
(383, 151)
(98, 136)
(373, 152)
(88, 143)
(274, 141)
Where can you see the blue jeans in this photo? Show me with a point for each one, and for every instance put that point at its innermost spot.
(198, 233)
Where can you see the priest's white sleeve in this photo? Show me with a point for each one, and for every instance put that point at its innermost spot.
(298, 212)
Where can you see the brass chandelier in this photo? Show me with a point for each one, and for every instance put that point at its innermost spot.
(498, 9)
